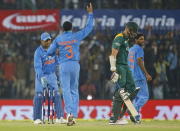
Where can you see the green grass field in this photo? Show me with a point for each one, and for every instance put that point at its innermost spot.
(91, 125)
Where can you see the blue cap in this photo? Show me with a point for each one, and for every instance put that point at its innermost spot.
(45, 36)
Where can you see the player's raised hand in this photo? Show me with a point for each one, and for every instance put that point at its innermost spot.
(90, 8)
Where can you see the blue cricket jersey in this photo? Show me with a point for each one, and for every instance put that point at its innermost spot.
(44, 64)
(68, 43)
(136, 52)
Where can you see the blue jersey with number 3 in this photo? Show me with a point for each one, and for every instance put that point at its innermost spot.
(136, 52)
(68, 42)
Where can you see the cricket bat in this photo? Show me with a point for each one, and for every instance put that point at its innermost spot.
(129, 104)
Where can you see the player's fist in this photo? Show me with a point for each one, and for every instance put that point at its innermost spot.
(90, 8)
(148, 77)
(114, 77)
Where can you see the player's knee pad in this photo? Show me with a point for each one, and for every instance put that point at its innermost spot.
(57, 99)
(38, 99)
(58, 104)
(123, 110)
(116, 107)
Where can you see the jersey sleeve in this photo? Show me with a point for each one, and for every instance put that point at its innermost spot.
(117, 42)
(87, 29)
(38, 64)
(140, 53)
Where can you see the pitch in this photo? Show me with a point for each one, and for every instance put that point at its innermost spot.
(91, 125)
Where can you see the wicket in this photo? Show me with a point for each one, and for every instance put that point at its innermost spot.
(49, 94)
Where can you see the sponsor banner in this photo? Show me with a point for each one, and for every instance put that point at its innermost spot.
(95, 109)
(29, 20)
(116, 19)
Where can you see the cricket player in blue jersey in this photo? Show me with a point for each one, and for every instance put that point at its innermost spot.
(45, 67)
(68, 44)
(139, 72)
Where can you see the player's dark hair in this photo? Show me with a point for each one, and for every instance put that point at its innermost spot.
(67, 26)
(138, 36)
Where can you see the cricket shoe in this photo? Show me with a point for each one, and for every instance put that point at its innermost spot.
(70, 120)
(118, 122)
(122, 121)
(61, 121)
(37, 121)
(74, 121)
(136, 120)
(114, 121)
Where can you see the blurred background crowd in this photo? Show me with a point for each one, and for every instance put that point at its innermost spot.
(79, 4)
(162, 57)
(162, 60)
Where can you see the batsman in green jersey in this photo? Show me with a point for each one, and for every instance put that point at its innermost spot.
(121, 73)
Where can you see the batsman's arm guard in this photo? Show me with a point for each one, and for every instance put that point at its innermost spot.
(112, 60)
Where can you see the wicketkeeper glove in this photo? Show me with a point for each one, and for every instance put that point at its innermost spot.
(114, 77)
(44, 82)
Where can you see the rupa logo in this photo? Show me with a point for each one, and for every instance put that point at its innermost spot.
(35, 18)
(14, 21)
(165, 112)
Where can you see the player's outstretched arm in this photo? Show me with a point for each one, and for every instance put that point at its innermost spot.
(89, 26)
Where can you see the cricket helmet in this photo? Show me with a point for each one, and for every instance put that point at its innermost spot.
(132, 26)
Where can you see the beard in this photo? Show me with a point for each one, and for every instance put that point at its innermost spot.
(45, 46)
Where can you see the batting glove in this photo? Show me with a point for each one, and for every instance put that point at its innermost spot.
(124, 95)
(114, 77)
(44, 82)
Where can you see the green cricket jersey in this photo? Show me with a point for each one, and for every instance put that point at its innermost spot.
(122, 45)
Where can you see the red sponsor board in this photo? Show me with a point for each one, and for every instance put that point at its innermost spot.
(29, 20)
(95, 109)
